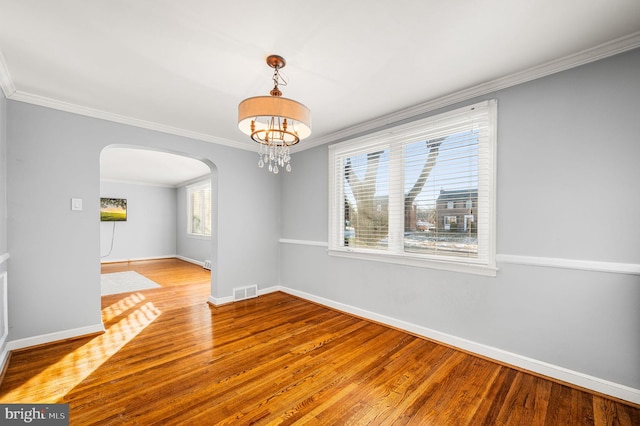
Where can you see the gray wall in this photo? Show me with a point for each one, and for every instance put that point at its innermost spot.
(150, 229)
(53, 156)
(188, 246)
(3, 214)
(568, 188)
(3, 174)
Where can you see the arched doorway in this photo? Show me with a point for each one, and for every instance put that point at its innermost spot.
(153, 185)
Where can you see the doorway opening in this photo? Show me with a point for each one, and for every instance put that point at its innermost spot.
(154, 238)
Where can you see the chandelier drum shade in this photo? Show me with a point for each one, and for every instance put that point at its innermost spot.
(259, 112)
(275, 122)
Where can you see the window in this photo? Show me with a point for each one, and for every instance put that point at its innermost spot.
(448, 221)
(199, 209)
(422, 193)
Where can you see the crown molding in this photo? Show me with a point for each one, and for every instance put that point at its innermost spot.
(593, 54)
(601, 51)
(96, 113)
(5, 79)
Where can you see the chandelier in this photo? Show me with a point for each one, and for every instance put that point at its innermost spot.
(276, 123)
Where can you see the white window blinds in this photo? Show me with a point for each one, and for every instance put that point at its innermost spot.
(199, 209)
(424, 191)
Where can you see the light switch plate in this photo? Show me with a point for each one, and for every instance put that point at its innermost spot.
(76, 204)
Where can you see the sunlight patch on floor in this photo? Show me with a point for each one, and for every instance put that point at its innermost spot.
(121, 306)
(55, 381)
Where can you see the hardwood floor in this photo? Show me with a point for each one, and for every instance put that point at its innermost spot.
(166, 272)
(170, 358)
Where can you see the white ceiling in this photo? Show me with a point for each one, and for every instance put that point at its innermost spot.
(150, 167)
(183, 67)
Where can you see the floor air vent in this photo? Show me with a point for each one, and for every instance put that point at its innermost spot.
(248, 292)
(207, 264)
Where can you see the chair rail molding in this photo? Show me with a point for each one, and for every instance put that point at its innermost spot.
(583, 265)
(548, 262)
(304, 242)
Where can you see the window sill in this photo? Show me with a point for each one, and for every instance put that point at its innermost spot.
(199, 237)
(469, 268)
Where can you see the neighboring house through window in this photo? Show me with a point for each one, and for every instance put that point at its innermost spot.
(421, 193)
(199, 209)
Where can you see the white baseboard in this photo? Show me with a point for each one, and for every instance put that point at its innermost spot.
(186, 259)
(217, 301)
(271, 289)
(42, 339)
(529, 364)
(169, 256)
(4, 283)
(4, 352)
(166, 256)
(4, 355)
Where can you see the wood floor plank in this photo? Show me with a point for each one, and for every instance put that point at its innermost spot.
(170, 358)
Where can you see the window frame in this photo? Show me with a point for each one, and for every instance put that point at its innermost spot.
(403, 135)
(190, 189)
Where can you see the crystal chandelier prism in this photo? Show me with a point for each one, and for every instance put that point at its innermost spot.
(276, 123)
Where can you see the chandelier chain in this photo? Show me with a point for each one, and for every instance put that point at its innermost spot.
(278, 77)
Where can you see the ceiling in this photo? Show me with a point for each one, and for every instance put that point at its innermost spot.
(183, 67)
(127, 165)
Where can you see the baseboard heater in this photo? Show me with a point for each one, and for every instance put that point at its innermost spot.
(242, 293)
